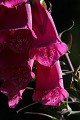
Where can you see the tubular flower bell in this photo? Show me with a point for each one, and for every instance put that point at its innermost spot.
(28, 34)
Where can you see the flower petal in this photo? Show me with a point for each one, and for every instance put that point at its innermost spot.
(48, 45)
(50, 54)
(16, 78)
(11, 3)
(50, 97)
(16, 17)
(49, 85)
(44, 26)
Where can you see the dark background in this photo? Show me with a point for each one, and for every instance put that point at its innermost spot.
(63, 12)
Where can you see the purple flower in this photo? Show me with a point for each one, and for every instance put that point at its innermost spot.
(49, 48)
(27, 36)
(16, 38)
(49, 85)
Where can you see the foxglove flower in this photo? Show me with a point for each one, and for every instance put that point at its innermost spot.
(25, 38)
(49, 48)
(49, 85)
(16, 38)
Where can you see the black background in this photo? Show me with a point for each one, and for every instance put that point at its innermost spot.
(65, 10)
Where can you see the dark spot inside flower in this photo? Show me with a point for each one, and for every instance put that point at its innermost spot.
(45, 55)
(46, 50)
(51, 57)
(49, 100)
(57, 93)
(40, 49)
(1, 81)
(53, 101)
(51, 93)
(56, 98)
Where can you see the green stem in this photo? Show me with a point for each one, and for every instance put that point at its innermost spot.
(35, 113)
(26, 107)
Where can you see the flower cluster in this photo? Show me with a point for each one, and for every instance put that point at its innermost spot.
(27, 35)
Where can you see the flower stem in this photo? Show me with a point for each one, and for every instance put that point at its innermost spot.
(35, 113)
(26, 107)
